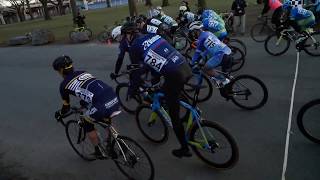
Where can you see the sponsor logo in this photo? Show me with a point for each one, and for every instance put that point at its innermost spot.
(150, 41)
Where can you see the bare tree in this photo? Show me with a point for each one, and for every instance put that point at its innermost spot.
(58, 4)
(29, 9)
(165, 3)
(18, 5)
(202, 4)
(133, 8)
(45, 9)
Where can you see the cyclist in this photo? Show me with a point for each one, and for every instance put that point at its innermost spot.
(99, 98)
(275, 5)
(116, 33)
(169, 23)
(218, 53)
(216, 27)
(186, 17)
(159, 56)
(300, 19)
(79, 20)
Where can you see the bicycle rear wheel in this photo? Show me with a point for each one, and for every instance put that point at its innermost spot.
(129, 104)
(206, 88)
(239, 44)
(259, 32)
(222, 152)
(313, 48)
(78, 140)
(247, 92)
(276, 46)
(72, 34)
(151, 124)
(88, 31)
(132, 160)
(238, 59)
(308, 120)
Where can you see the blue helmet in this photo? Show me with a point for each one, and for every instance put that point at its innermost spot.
(286, 4)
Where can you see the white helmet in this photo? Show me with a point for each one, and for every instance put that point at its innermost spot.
(183, 8)
(196, 25)
(159, 8)
(116, 32)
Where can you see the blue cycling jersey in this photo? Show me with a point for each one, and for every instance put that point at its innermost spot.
(156, 53)
(209, 44)
(298, 13)
(85, 86)
(212, 25)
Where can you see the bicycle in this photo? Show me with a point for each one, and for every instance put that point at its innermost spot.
(105, 35)
(80, 29)
(238, 90)
(307, 120)
(126, 153)
(279, 43)
(228, 20)
(201, 135)
(261, 30)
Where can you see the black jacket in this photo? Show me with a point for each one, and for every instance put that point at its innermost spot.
(238, 7)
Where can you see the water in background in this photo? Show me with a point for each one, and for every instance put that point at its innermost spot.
(103, 4)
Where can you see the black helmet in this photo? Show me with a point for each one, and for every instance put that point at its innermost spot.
(129, 27)
(62, 62)
(141, 18)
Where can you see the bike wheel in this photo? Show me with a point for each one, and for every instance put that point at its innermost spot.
(222, 153)
(259, 32)
(247, 92)
(78, 141)
(276, 46)
(206, 88)
(127, 103)
(313, 48)
(72, 34)
(132, 160)
(151, 124)
(239, 44)
(308, 120)
(180, 42)
(238, 59)
(103, 36)
(89, 32)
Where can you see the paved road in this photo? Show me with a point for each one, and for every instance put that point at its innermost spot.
(31, 138)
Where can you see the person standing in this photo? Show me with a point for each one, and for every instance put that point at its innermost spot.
(238, 9)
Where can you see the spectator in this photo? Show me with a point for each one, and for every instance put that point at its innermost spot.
(238, 9)
(79, 20)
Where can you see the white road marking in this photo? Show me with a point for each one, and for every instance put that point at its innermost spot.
(285, 161)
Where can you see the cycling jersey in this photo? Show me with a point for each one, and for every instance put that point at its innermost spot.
(100, 97)
(298, 13)
(154, 22)
(212, 14)
(215, 27)
(169, 21)
(156, 53)
(209, 44)
(149, 29)
(274, 4)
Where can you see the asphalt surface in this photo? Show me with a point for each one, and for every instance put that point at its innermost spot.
(36, 144)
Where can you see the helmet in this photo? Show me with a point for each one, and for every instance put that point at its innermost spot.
(286, 4)
(208, 13)
(196, 25)
(116, 32)
(62, 62)
(159, 8)
(129, 27)
(183, 8)
(141, 18)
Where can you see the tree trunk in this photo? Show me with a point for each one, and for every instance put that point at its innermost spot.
(165, 3)
(108, 3)
(45, 9)
(202, 4)
(73, 9)
(20, 14)
(29, 9)
(132, 8)
(61, 8)
(148, 3)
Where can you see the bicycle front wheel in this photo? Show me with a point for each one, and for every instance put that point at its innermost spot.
(276, 45)
(259, 32)
(132, 160)
(79, 142)
(129, 104)
(308, 120)
(312, 44)
(151, 124)
(238, 59)
(205, 91)
(89, 32)
(215, 146)
(239, 44)
(248, 92)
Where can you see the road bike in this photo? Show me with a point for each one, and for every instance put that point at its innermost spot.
(308, 120)
(212, 143)
(261, 30)
(130, 157)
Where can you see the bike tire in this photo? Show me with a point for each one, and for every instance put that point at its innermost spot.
(235, 93)
(238, 59)
(180, 42)
(79, 137)
(271, 41)
(128, 104)
(190, 88)
(239, 44)
(89, 32)
(130, 148)
(146, 129)
(311, 48)
(301, 120)
(71, 34)
(233, 156)
(260, 31)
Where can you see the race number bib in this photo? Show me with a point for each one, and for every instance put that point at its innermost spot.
(84, 94)
(152, 29)
(154, 60)
(168, 20)
(212, 42)
(213, 24)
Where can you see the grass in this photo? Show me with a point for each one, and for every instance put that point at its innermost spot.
(96, 19)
